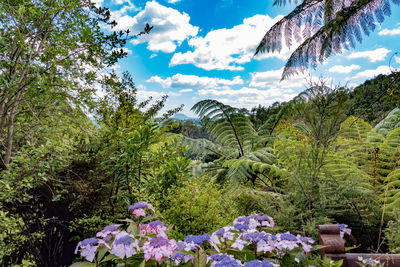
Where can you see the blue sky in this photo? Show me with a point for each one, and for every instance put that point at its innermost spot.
(204, 49)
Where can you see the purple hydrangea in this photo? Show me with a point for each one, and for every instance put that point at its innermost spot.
(254, 237)
(344, 229)
(107, 231)
(178, 257)
(124, 245)
(223, 260)
(219, 257)
(227, 263)
(89, 247)
(288, 237)
(255, 220)
(197, 239)
(240, 226)
(138, 208)
(258, 263)
(220, 231)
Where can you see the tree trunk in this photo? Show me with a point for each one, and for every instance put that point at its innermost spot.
(10, 133)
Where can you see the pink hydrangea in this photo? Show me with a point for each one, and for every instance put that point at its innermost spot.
(156, 227)
(139, 208)
(158, 247)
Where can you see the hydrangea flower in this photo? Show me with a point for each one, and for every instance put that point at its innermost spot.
(108, 231)
(344, 229)
(239, 244)
(264, 220)
(306, 242)
(258, 263)
(369, 262)
(241, 227)
(255, 220)
(197, 239)
(89, 247)
(138, 208)
(158, 247)
(155, 227)
(180, 246)
(286, 241)
(124, 245)
(178, 257)
(225, 233)
(223, 260)
(254, 236)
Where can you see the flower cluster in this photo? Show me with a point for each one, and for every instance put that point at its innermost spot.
(139, 208)
(369, 262)
(344, 229)
(248, 234)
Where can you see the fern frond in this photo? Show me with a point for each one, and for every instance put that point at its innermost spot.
(390, 122)
(328, 27)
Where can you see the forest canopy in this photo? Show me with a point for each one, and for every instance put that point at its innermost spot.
(233, 187)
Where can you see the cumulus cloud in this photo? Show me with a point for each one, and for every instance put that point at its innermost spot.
(173, 1)
(248, 97)
(344, 69)
(171, 27)
(229, 49)
(373, 72)
(193, 81)
(185, 90)
(272, 78)
(373, 55)
(390, 32)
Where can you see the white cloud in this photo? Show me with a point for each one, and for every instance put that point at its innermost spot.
(397, 59)
(390, 32)
(98, 3)
(229, 49)
(248, 97)
(171, 27)
(185, 90)
(372, 72)
(264, 88)
(344, 69)
(373, 55)
(144, 94)
(193, 81)
(173, 1)
(272, 78)
(120, 16)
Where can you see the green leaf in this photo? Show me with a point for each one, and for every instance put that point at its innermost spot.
(110, 257)
(82, 264)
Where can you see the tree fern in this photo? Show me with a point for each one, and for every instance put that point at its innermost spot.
(327, 27)
(243, 153)
(391, 122)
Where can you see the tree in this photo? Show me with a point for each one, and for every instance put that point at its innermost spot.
(323, 27)
(51, 46)
(243, 153)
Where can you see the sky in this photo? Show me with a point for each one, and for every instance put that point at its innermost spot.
(204, 49)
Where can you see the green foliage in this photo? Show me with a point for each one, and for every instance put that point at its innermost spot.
(242, 153)
(372, 100)
(392, 233)
(197, 207)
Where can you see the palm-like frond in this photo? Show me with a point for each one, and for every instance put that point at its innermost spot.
(390, 122)
(328, 26)
(227, 125)
(243, 153)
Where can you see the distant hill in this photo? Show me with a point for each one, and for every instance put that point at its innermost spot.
(183, 117)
